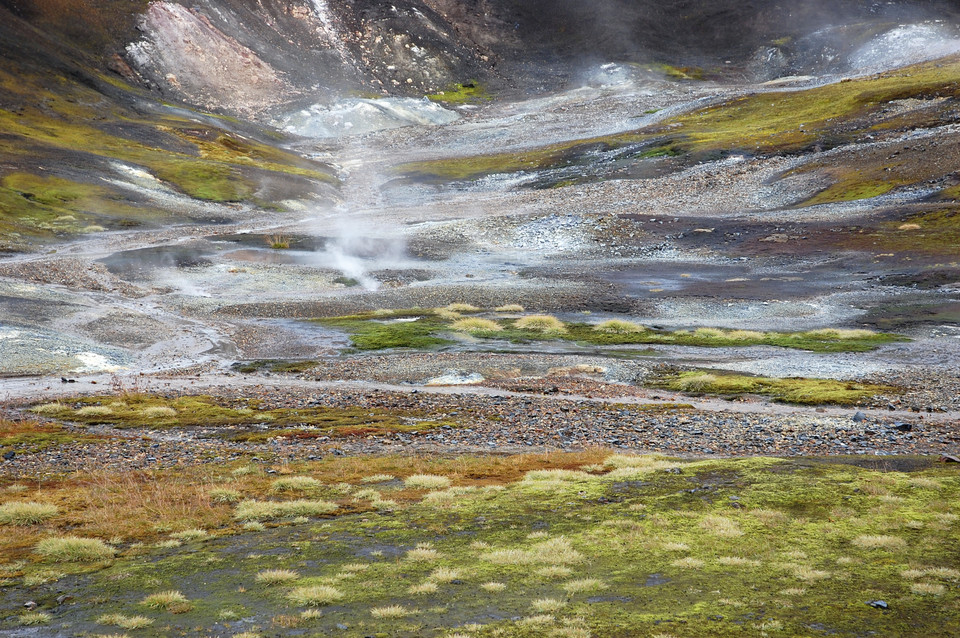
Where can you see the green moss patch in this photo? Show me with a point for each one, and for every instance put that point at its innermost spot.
(31, 436)
(469, 92)
(151, 411)
(799, 391)
(395, 329)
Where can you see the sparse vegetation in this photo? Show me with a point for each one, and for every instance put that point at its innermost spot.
(795, 390)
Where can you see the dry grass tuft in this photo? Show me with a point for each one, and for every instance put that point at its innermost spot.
(880, 542)
(422, 553)
(510, 307)
(125, 622)
(95, 410)
(927, 589)
(224, 495)
(584, 585)
(378, 478)
(267, 510)
(745, 335)
(392, 611)
(737, 561)
(159, 412)
(296, 484)
(841, 333)
(190, 535)
(426, 482)
(476, 325)
(493, 587)
(24, 513)
(618, 327)
(697, 383)
(49, 409)
(445, 574)
(314, 595)
(547, 604)
(557, 551)
(721, 526)
(546, 324)
(461, 307)
(809, 574)
(709, 333)
(73, 549)
(276, 576)
(167, 600)
(34, 618)
(688, 563)
(428, 587)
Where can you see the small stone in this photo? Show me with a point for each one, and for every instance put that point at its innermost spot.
(30, 604)
(879, 604)
(903, 427)
(859, 417)
(8, 455)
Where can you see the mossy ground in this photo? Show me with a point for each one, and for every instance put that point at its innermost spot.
(469, 92)
(24, 436)
(770, 122)
(593, 546)
(158, 412)
(798, 391)
(420, 328)
(57, 127)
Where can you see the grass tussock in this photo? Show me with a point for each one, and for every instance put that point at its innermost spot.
(556, 551)
(619, 327)
(224, 495)
(253, 510)
(547, 605)
(392, 611)
(125, 622)
(276, 576)
(192, 534)
(510, 307)
(474, 325)
(25, 513)
(584, 585)
(546, 324)
(314, 595)
(33, 618)
(296, 484)
(159, 412)
(166, 600)
(378, 478)
(880, 542)
(461, 308)
(73, 549)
